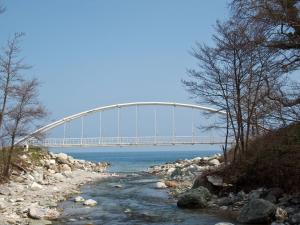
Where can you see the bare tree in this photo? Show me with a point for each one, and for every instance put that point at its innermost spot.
(19, 107)
(11, 67)
(231, 77)
(25, 110)
(279, 22)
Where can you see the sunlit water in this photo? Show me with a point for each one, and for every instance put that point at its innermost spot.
(137, 201)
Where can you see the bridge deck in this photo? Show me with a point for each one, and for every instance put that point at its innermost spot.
(125, 141)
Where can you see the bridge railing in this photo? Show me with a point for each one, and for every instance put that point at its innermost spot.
(125, 141)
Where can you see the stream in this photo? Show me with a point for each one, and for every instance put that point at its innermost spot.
(131, 199)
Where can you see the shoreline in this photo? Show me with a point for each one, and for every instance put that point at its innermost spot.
(195, 185)
(33, 197)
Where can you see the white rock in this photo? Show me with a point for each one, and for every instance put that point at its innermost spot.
(50, 162)
(65, 167)
(59, 176)
(160, 185)
(36, 213)
(3, 204)
(171, 170)
(35, 186)
(90, 202)
(24, 157)
(79, 199)
(51, 171)
(214, 162)
(62, 155)
(68, 174)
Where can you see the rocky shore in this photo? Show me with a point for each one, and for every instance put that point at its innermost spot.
(194, 184)
(31, 196)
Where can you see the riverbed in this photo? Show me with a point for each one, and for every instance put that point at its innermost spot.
(132, 199)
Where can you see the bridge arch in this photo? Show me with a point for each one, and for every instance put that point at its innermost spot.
(64, 120)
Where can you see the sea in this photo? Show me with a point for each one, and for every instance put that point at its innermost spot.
(135, 159)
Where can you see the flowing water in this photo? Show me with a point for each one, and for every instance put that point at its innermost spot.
(131, 198)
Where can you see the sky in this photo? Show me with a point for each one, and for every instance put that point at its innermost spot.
(99, 52)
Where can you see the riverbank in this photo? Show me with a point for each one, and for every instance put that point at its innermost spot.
(31, 197)
(195, 185)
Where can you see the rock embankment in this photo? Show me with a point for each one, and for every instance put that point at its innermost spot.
(195, 184)
(33, 195)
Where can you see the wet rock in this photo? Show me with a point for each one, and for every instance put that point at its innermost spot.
(79, 199)
(215, 180)
(194, 198)
(257, 211)
(171, 183)
(295, 219)
(51, 214)
(160, 185)
(90, 202)
(273, 194)
(256, 194)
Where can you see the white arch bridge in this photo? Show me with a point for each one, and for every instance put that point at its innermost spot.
(34, 139)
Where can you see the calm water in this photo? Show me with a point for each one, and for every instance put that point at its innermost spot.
(133, 161)
(137, 201)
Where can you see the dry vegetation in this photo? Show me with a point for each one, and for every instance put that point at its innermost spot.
(271, 161)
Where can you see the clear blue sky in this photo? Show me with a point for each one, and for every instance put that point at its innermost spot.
(92, 53)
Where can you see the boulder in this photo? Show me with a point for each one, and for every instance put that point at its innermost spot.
(295, 219)
(36, 213)
(194, 198)
(215, 180)
(171, 183)
(214, 162)
(62, 158)
(65, 168)
(90, 202)
(273, 194)
(257, 211)
(160, 185)
(256, 194)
